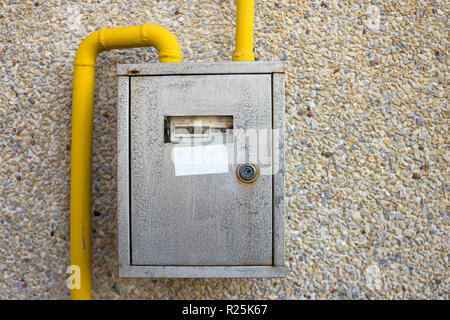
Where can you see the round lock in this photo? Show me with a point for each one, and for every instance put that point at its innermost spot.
(247, 172)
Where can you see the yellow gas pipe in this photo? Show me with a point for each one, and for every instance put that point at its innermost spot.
(244, 31)
(82, 125)
(82, 118)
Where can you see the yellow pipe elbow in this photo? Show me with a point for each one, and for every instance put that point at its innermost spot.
(82, 127)
(147, 35)
(245, 13)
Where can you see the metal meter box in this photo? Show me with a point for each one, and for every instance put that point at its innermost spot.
(201, 170)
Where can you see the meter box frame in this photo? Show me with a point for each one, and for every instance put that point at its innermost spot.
(141, 249)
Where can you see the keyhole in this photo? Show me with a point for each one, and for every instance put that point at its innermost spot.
(247, 172)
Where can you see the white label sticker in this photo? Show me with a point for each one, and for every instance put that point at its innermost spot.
(200, 159)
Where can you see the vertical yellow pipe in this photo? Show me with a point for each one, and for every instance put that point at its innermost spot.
(82, 127)
(81, 172)
(245, 14)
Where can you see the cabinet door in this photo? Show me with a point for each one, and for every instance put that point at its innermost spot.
(200, 219)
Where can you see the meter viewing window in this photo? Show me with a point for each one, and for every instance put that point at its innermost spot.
(197, 129)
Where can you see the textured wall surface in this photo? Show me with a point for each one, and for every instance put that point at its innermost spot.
(367, 144)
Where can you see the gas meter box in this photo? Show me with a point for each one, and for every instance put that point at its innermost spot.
(201, 170)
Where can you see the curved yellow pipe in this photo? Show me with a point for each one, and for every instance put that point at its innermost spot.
(82, 125)
(245, 14)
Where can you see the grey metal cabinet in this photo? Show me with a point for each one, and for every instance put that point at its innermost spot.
(185, 131)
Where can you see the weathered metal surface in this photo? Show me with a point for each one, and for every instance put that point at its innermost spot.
(201, 272)
(197, 219)
(123, 163)
(278, 168)
(266, 67)
(200, 221)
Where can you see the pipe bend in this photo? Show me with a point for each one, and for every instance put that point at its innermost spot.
(146, 35)
(164, 41)
(82, 128)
